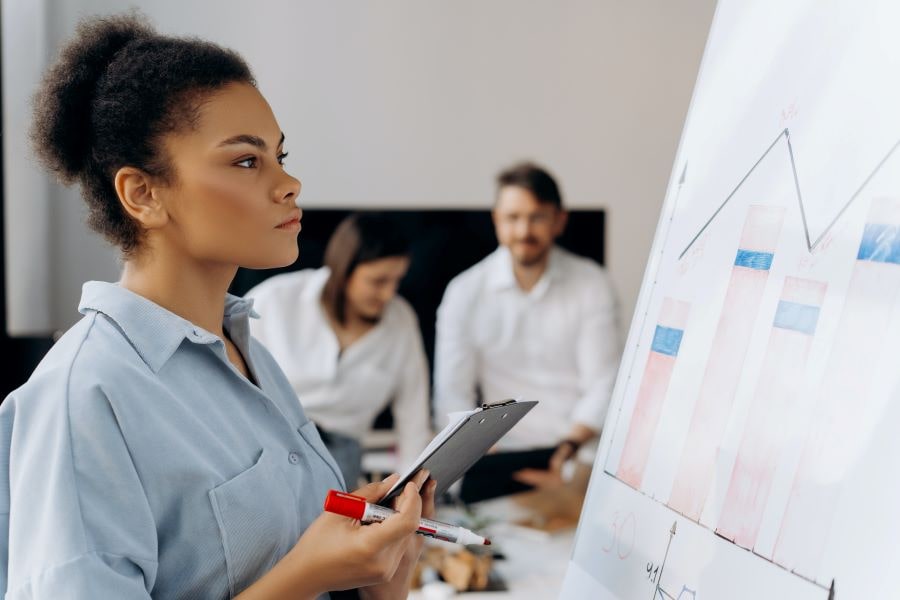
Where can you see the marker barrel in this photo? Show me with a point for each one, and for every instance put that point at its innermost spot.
(356, 507)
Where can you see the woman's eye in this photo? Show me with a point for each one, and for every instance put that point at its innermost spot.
(247, 163)
(281, 158)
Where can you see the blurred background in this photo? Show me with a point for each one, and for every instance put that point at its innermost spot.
(405, 105)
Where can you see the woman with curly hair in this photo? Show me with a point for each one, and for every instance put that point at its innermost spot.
(157, 450)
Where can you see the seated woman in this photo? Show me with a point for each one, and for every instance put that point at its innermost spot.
(348, 343)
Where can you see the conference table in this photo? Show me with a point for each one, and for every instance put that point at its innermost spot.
(535, 558)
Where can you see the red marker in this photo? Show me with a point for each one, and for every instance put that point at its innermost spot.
(356, 507)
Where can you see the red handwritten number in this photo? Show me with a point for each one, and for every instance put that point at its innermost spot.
(623, 534)
(789, 113)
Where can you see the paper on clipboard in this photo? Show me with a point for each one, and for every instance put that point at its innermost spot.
(449, 458)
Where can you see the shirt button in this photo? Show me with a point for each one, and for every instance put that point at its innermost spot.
(294, 458)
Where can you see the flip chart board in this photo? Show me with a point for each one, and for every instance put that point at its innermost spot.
(751, 444)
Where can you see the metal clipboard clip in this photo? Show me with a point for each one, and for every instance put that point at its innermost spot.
(487, 405)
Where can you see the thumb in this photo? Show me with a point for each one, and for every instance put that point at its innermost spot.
(374, 492)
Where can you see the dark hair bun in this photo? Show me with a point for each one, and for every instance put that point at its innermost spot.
(117, 89)
(61, 130)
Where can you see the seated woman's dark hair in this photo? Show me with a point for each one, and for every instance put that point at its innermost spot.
(117, 88)
(359, 238)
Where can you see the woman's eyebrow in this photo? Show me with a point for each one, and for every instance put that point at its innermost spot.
(253, 140)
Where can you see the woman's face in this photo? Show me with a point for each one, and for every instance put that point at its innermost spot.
(231, 201)
(373, 284)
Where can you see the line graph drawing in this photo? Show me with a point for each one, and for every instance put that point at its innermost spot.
(811, 244)
(800, 493)
(688, 504)
(686, 593)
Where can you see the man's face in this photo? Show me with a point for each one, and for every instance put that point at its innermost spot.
(526, 226)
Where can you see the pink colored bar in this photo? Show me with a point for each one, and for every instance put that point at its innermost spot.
(726, 361)
(836, 435)
(650, 397)
(766, 431)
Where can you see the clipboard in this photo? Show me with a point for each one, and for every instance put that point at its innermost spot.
(461, 444)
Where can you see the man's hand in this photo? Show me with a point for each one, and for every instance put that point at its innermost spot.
(552, 476)
(566, 450)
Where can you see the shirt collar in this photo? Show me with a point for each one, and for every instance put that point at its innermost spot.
(501, 276)
(154, 332)
(312, 292)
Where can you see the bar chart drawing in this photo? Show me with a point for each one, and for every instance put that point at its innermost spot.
(835, 430)
(749, 276)
(652, 393)
(773, 413)
(772, 419)
(758, 397)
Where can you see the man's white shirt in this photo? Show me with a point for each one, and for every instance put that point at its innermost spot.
(557, 344)
(344, 392)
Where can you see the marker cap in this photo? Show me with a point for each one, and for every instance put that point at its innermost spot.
(345, 504)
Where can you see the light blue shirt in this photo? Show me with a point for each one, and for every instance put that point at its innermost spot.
(137, 462)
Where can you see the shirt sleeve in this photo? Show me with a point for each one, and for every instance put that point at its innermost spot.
(597, 354)
(80, 525)
(454, 356)
(411, 400)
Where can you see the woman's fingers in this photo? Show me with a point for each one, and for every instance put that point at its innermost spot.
(420, 478)
(396, 529)
(406, 520)
(374, 492)
(428, 499)
(410, 501)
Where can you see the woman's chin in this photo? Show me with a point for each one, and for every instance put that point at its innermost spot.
(276, 261)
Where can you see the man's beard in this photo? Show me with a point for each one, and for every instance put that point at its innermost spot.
(531, 260)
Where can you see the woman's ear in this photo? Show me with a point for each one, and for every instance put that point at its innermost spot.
(134, 188)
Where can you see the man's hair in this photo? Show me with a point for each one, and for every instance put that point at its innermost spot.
(360, 238)
(533, 178)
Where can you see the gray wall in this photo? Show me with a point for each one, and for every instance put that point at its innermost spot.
(398, 103)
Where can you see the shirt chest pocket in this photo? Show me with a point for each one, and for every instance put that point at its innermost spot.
(258, 521)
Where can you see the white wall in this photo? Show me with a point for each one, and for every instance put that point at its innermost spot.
(413, 103)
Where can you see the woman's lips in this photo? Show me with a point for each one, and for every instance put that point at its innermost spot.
(290, 225)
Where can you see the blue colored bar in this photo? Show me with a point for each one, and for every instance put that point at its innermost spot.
(796, 316)
(667, 340)
(751, 259)
(880, 243)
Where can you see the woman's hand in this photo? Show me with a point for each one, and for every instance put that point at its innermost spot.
(398, 585)
(338, 553)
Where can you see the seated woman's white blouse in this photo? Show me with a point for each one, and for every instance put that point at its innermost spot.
(344, 392)
(137, 462)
